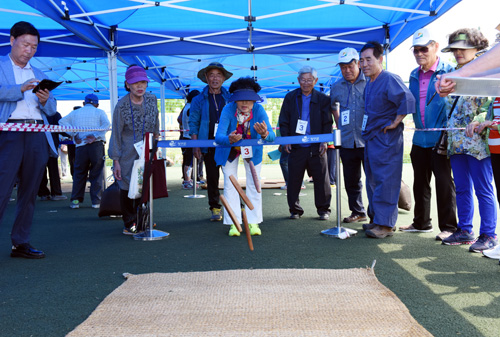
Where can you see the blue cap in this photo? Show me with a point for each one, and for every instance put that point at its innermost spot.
(92, 99)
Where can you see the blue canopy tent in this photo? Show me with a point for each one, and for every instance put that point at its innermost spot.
(89, 43)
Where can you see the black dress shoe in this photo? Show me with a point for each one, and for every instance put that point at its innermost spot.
(324, 216)
(294, 216)
(27, 251)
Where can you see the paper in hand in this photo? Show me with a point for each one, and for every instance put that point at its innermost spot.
(476, 86)
(46, 84)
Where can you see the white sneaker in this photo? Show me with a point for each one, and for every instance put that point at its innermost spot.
(492, 253)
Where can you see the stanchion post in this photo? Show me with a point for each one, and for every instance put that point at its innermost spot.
(195, 175)
(339, 231)
(151, 234)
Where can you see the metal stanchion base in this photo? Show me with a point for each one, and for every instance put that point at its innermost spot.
(339, 232)
(151, 235)
(196, 196)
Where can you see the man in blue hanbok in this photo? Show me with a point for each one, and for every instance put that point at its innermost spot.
(387, 102)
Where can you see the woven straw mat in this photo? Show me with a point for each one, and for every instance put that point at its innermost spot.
(262, 302)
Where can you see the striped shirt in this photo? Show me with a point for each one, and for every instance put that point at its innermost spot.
(494, 139)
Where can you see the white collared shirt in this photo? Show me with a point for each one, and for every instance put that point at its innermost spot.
(27, 108)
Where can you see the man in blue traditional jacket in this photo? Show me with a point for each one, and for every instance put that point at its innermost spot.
(387, 102)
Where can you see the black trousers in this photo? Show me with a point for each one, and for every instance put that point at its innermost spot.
(495, 165)
(213, 173)
(352, 162)
(425, 163)
(302, 158)
(55, 181)
(129, 208)
(89, 162)
(71, 158)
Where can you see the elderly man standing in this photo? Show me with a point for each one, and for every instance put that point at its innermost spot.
(203, 122)
(430, 112)
(348, 93)
(306, 111)
(387, 102)
(23, 155)
(89, 154)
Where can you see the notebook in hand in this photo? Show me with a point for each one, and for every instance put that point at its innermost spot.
(46, 84)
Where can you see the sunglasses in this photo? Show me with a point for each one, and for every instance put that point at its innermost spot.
(423, 50)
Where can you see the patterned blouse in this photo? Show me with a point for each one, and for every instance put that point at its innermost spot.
(466, 110)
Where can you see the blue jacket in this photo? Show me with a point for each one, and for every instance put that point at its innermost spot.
(435, 113)
(10, 94)
(227, 124)
(199, 114)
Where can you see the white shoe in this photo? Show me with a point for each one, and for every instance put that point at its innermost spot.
(493, 253)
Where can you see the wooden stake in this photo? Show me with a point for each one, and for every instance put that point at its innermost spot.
(231, 213)
(247, 228)
(240, 192)
(255, 177)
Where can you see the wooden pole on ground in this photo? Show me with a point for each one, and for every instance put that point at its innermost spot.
(231, 213)
(240, 192)
(247, 228)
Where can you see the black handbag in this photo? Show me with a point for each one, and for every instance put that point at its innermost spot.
(441, 146)
(110, 201)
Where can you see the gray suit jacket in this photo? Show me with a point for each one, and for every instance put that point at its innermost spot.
(10, 94)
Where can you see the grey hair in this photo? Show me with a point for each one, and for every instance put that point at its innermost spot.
(308, 70)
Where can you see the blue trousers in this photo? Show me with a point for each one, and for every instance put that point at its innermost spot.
(383, 170)
(468, 173)
(23, 157)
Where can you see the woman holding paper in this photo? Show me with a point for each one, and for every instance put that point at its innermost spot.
(469, 156)
(135, 114)
(242, 118)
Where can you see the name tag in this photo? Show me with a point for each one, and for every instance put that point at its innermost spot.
(216, 126)
(246, 152)
(345, 117)
(301, 127)
(139, 147)
(365, 120)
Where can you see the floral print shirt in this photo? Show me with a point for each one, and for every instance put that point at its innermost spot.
(466, 110)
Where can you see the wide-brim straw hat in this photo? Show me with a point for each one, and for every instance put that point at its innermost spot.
(213, 65)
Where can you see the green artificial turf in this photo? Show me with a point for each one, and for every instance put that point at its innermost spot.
(447, 289)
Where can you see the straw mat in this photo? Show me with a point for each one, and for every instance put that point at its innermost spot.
(262, 302)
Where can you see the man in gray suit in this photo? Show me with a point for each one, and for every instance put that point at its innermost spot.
(23, 155)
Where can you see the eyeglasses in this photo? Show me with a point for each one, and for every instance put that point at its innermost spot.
(306, 81)
(423, 50)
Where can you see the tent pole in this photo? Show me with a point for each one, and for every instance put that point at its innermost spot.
(162, 114)
(113, 80)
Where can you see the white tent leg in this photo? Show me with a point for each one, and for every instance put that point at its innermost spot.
(113, 81)
(162, 120)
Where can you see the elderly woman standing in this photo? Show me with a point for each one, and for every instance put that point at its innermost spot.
(134, 115)
(242, 118)
(469, 156)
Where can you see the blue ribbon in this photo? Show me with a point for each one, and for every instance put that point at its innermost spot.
(306, 139)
